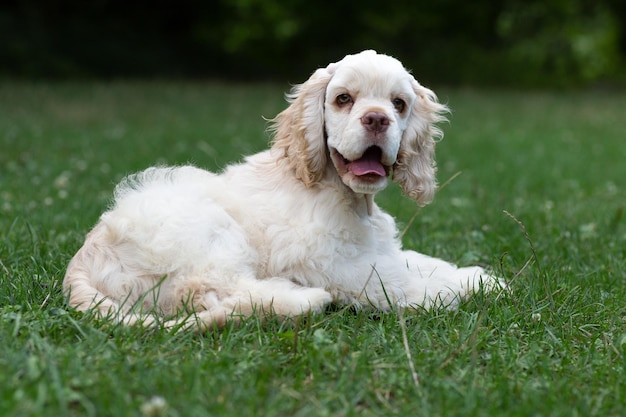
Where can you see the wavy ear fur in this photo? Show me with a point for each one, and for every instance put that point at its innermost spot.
(299, 129)
(415, 167)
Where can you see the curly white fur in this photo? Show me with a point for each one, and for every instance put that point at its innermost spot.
(292, 228)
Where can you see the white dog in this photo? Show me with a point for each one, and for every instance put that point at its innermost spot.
(292, 228)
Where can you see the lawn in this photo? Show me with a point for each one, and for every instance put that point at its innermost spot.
(534, 187)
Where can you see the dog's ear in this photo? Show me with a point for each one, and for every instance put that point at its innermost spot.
(415, 167)
(299, 129)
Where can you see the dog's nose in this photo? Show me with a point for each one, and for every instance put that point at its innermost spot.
(375, 122)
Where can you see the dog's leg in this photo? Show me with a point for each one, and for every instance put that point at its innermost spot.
(433, 281)
(413, 279)
(247, 296)
(282, 297)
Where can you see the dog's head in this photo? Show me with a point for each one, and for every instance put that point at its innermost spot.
(369, 118)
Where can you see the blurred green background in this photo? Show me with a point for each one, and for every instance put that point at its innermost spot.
(527, 43)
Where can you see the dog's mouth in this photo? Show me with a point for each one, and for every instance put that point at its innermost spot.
(365, 175)
(368, 167)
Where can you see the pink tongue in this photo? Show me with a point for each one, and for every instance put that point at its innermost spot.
(369, 163)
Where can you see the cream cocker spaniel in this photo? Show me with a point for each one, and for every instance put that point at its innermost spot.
(290, 229)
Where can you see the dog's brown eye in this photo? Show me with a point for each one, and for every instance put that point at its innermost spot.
(398, 104)
(343, 99)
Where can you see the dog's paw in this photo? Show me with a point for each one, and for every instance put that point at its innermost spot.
(300, 301)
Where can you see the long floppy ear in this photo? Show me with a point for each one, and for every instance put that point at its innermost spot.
(415, 167)
(299, 129)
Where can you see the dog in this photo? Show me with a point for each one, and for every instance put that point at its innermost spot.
(288, 230)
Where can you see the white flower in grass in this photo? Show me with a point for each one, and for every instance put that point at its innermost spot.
(154, 407)
(611, 188)
(588, 231)
(548, 205)
(81, 165)
(63, 180)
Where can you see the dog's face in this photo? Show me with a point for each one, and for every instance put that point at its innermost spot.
(367, 107)
(367, 118)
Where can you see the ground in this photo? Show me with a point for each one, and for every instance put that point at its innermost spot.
(532, 186)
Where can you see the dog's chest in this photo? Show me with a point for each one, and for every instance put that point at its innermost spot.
(294, 249)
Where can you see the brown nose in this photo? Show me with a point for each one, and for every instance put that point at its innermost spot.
(375, 122)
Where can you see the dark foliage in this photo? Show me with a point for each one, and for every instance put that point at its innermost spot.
(535, 42)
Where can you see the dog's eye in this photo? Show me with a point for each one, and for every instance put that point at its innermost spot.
(343, 99)
(398, 104)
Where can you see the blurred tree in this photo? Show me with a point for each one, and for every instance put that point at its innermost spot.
(568, 40)
(508, 42)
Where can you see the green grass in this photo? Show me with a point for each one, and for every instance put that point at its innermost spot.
(554, 345)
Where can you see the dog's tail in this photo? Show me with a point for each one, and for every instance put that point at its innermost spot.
(81, 293)
(83, 296)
